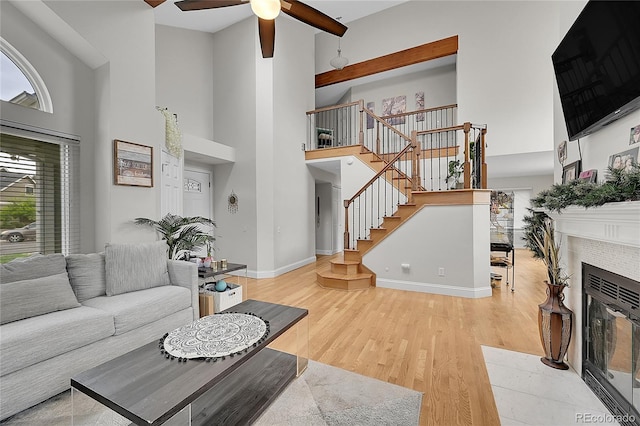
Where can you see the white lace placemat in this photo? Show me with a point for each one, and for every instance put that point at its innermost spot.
(215, 336)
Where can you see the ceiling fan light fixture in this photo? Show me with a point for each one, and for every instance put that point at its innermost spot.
(266, 9)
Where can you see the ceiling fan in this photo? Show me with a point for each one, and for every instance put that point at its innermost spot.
(267, 10)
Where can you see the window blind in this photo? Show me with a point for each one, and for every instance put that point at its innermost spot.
(39, 184)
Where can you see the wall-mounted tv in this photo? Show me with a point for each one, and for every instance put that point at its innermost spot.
(597, 66)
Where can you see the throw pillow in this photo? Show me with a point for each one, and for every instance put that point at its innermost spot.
(133, 267)
(38, 296)
(31, 267)
(87, 275)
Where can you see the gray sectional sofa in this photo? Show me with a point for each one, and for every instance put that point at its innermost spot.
(62, 315)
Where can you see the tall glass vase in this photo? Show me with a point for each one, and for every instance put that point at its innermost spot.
(555, 322)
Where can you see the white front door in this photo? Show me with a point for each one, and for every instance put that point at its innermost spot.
(197, 198)
(171, 185)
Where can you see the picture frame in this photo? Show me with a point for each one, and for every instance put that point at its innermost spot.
(590, 176)
(132, 164)
(634, 135)
(625, 159)
(571, 172)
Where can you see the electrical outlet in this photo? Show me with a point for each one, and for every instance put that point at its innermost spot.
(441, 272)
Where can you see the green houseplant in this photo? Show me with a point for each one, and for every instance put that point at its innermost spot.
(182, 234)
(455, 170)
(555, 321)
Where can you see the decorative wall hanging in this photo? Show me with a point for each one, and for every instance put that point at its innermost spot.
(371, 106)
(133, 164)
(393, 106)
(562, 152)
(173, 137)
(420, 106)
(233, 202)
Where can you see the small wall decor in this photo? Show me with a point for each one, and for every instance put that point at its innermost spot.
(634, 136)
(393, 106)
(420, 105)
(571, 172)
(371, 106)
(624, 160)
(233, 202)
(589, 176)
(173, 137)
(133, 164)
(562, 152)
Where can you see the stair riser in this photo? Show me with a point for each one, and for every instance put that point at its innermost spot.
(352, 255)
(359, 284)
(344, 269)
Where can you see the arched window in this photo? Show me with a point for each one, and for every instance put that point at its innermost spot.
(21, 84)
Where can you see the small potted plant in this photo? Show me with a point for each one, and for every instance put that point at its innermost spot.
(555, 321)
(455, 170)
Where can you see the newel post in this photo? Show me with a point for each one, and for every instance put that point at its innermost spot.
(346, 224)
(467, 151)
(415, 178)
(483, 159)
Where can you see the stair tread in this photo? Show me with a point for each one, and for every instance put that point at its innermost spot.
(344, 262)
(358, 276)
(393, 217)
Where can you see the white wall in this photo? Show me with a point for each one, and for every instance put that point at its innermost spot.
(124, 33)
(236, 232)
(184, 78)
(438, 85)
(70, 83)
(455, 238)
(504, 72)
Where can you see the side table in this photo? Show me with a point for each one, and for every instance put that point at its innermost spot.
(236, 293)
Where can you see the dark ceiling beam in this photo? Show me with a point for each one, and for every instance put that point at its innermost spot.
(426, 52)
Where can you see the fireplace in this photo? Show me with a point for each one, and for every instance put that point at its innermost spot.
(611, 341)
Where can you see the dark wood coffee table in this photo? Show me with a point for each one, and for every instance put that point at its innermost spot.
(149, 389)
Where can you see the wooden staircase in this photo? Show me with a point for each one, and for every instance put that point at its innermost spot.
(348, 272)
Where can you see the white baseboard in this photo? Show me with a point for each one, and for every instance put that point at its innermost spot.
(281, 270)
(447, 290)
(324, 252)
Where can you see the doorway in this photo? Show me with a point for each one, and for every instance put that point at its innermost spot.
(197, 198)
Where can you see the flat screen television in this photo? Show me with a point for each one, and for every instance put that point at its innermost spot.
(597, 66)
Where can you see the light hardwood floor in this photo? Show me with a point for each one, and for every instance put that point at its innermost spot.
(426, 342)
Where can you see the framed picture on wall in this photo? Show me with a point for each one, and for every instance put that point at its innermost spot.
(589, 176)
(624, 160)
(571, 172)
(133, 164)
(634, 137)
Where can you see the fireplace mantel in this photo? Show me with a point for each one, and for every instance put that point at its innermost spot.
(617, 223)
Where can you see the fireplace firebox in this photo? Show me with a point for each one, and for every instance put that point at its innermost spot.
(611, 341)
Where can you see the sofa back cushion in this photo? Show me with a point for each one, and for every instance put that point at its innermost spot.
(133, 267)
(87, 275)
(34, 286)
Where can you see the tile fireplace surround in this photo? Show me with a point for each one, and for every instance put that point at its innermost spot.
(607, 237)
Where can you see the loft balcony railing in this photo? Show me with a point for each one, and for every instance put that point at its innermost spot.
(353, 124)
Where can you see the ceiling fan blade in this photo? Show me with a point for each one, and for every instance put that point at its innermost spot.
(313, 17)
(267, 32)
(185, 5)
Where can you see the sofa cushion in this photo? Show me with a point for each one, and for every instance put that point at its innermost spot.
(135, 309)
(133, 267)
(37, 296)
(87, 275)
(31, 267)
(39, 338)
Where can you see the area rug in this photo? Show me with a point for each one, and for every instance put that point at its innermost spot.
(323, 395)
